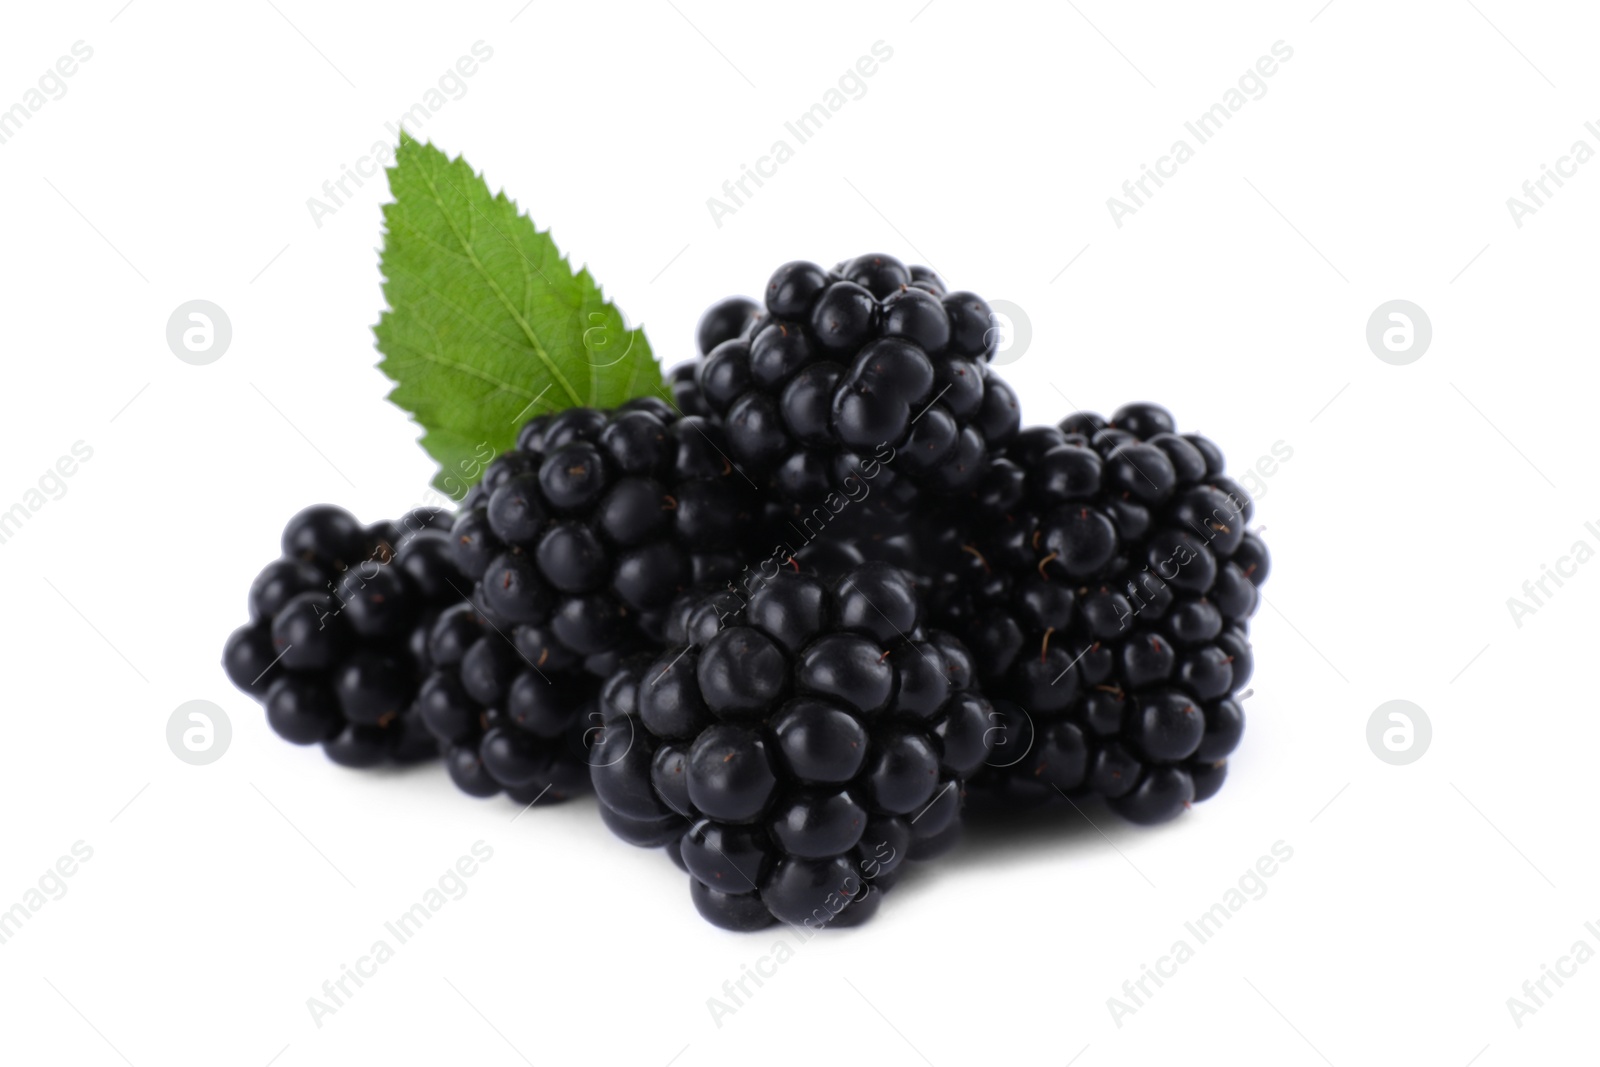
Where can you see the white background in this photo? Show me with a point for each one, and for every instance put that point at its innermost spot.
(1417, 500)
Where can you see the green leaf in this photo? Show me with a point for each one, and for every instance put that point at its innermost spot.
(488, 325)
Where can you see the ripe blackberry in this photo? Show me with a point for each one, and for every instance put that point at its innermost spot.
(1105, 590)
(797, 744)
(333, 647)
(597, 520)
(871, 358)
(506, 707)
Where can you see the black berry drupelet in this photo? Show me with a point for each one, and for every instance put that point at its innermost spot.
(796, 743)
(869, 359)
(335, 647)
(597, 520)
(1105, 588)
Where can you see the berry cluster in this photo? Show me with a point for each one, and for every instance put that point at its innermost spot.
(1104, 585)
(575, 543)
(794, 745)
(869, 355)
(788, 622)
(507, 707)
(336, 645)
(589, 528)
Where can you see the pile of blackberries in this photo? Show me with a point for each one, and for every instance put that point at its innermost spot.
(790, 621)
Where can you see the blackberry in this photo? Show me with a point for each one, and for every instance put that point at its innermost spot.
(869, 359)
(333, 648)
(596, 521)
(1105, 588)
(507, 708)
(796, 742)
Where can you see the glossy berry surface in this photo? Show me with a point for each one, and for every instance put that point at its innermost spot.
(870, 359)
(803, 734)
(597, 521)
(508, 707)
(1106, 600)
(335, 647)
